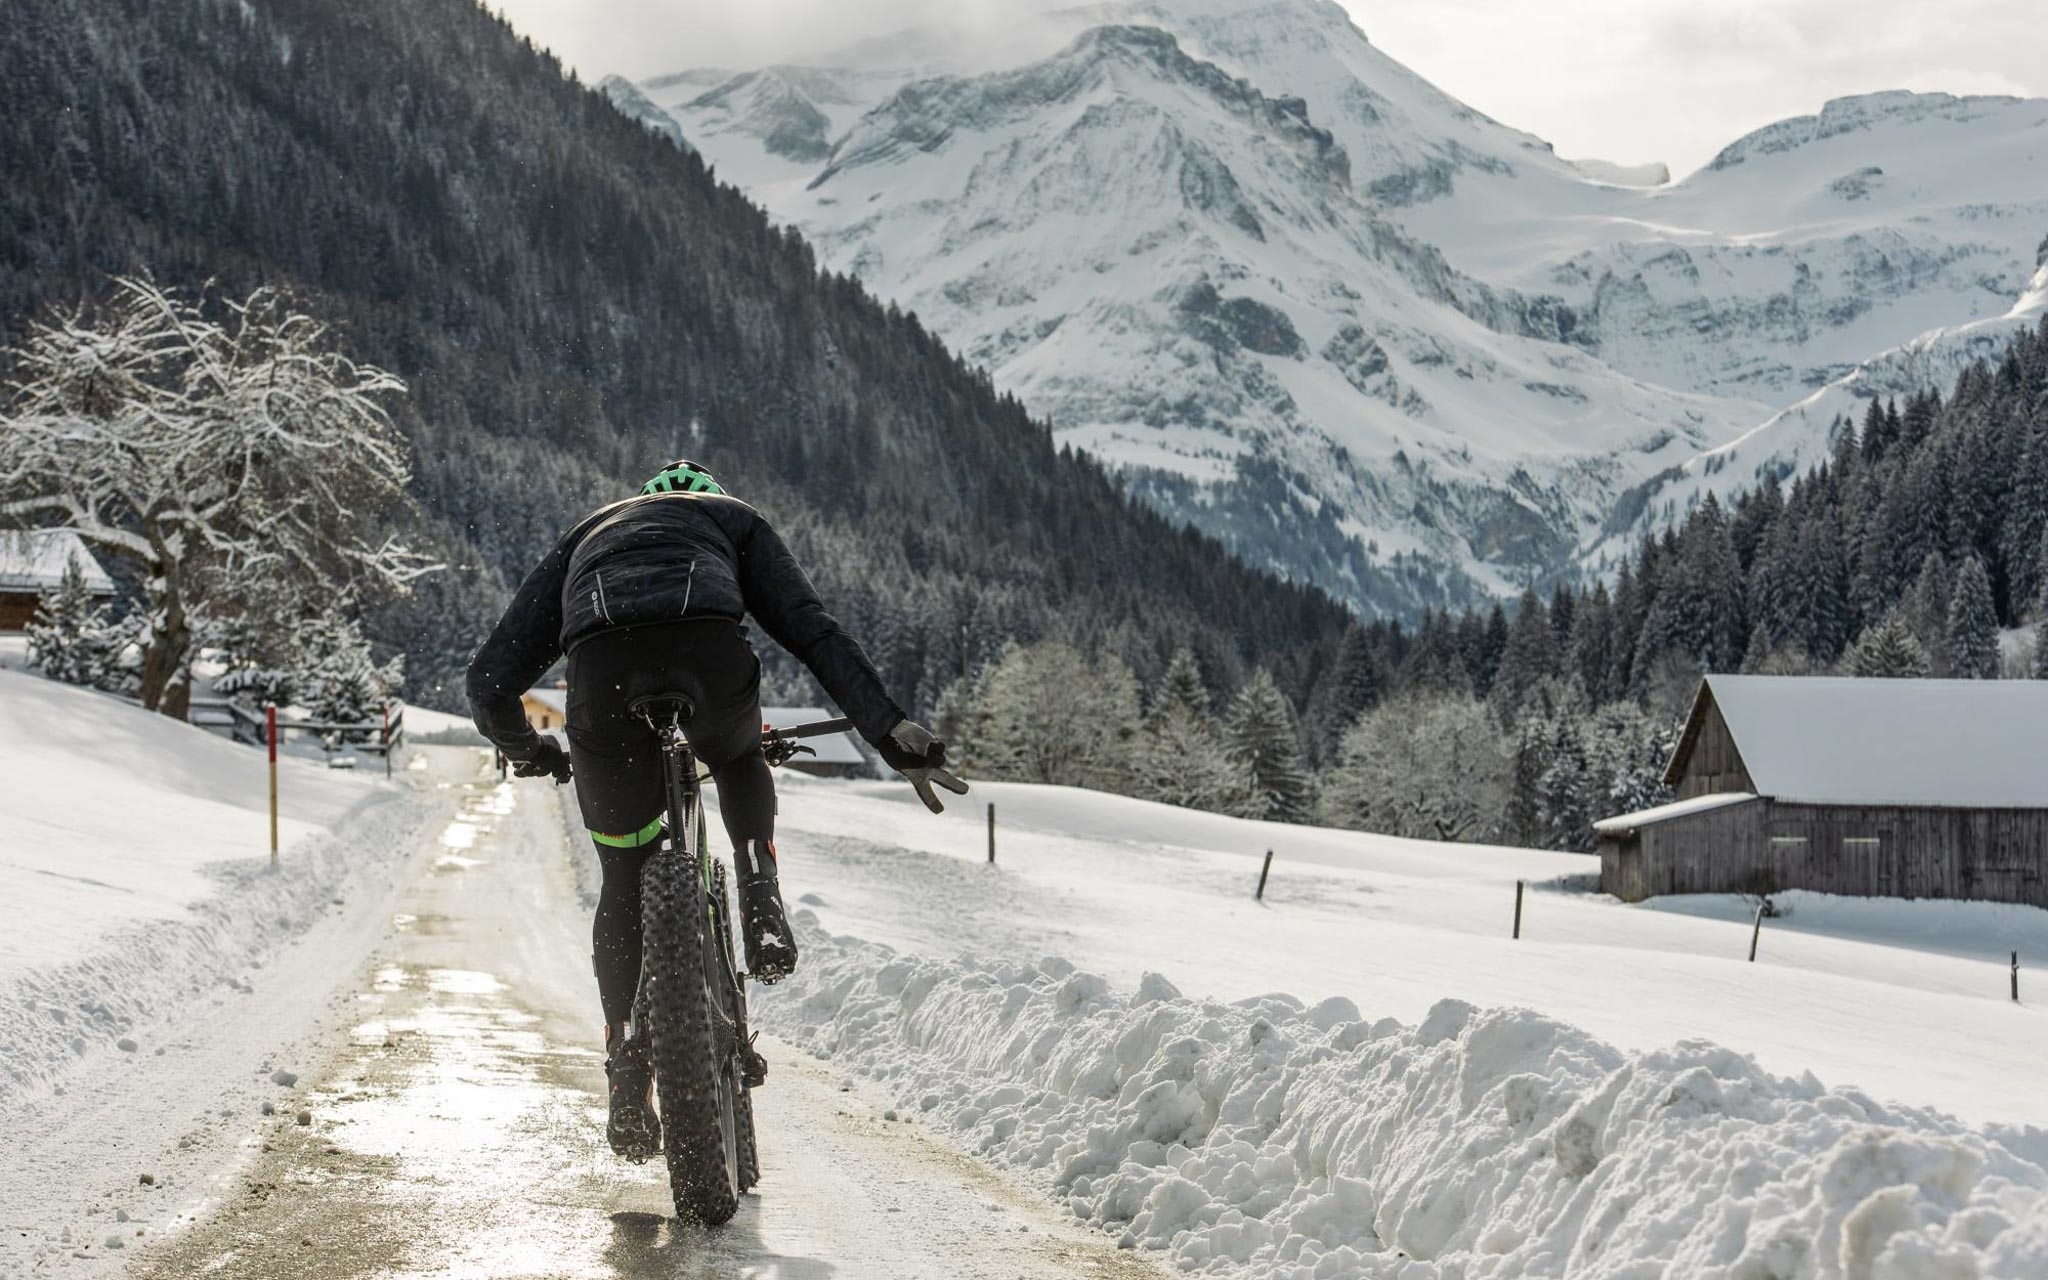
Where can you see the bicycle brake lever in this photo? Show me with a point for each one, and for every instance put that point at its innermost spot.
(782, 750)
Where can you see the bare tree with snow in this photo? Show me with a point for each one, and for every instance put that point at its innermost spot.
(232, 461)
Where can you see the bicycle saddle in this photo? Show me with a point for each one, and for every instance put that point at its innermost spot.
(662, 708)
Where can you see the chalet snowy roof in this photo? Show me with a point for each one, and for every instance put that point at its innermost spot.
(34, 560)
(836, 748)
(1623, 823)
(547, 695)
(1835, 740)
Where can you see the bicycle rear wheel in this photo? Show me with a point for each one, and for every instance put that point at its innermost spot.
(695, 1073)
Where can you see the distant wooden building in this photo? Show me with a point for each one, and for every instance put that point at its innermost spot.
(1876, 788)
(837, 755)
(32, 562)
(546, 707)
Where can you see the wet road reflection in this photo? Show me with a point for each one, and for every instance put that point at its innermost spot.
(459, 1133)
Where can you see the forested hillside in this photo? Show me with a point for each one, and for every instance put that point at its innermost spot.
(572, 301)
(1923, 537)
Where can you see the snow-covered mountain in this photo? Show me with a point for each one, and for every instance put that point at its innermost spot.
(1371, 336)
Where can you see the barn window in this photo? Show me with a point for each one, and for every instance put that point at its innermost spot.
(1787, 841)
(1862, 842)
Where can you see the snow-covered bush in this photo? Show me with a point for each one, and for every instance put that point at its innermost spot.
(1432, 767)
(1051, 714)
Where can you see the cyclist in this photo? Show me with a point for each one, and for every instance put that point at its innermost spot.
(646, 596)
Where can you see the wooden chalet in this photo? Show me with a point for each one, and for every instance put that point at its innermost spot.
(1875, 788)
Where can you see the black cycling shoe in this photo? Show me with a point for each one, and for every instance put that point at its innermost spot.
(770, 947)
(633, 1130)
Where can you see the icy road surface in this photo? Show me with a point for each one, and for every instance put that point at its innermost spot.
(459, 1132)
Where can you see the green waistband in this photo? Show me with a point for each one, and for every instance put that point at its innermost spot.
(645, 835)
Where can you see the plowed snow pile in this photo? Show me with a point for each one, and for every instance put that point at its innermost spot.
(1268, 1137)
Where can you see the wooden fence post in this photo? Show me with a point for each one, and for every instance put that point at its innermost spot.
(991, 833)
(387, 739)
(1264, 871)
(270, 736)
(1519, 886)
(1756, 932)
(2015, 977)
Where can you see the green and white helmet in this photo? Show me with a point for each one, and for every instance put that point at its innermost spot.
(682, 476)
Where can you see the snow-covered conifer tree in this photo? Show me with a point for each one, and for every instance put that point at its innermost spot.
(1563, 788)
(1180, 758)
(1888, 650)
(70, 636)
(1972, 635)
(2040, 669)
(1260, 737)
(1924, 611)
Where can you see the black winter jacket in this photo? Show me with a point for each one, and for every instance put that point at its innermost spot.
(660, 558)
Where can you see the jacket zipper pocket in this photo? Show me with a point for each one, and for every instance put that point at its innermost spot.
(688, 583)
(603, 607)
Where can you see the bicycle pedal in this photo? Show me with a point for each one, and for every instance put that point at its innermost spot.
(754, 1070)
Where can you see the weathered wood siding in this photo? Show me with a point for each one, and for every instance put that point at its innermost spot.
(1993, 855)
(1722, 850)
(1710, 764)
(1764, 846)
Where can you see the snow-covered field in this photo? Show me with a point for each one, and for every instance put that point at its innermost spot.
(113, 818)
(1364, 1075)
(1909, 1001)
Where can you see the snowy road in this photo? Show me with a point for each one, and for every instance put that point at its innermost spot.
(458, 1133)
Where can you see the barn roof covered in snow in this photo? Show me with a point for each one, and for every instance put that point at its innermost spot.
(1623, 823)
(34, 560)
(1980, 744)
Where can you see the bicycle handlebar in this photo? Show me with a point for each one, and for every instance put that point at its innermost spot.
(815, 729)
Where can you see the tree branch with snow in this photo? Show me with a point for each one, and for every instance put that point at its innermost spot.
(234, 460)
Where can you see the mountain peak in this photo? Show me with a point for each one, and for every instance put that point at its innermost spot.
(923, 115)
(1857, 113)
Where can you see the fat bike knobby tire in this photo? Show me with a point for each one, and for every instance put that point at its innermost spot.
(696, 1076)
(729, 972)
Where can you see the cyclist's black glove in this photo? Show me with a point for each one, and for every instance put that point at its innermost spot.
(912, 751)
(547, 758)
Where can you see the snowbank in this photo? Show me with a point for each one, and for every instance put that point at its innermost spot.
(1265, 1137)
(134, 868)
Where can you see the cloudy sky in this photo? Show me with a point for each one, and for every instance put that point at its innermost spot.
(1626, 80)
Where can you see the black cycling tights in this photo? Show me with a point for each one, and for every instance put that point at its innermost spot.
(619, 783)
(746, 800)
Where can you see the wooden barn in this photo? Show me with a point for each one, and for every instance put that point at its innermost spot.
(1876, 788)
